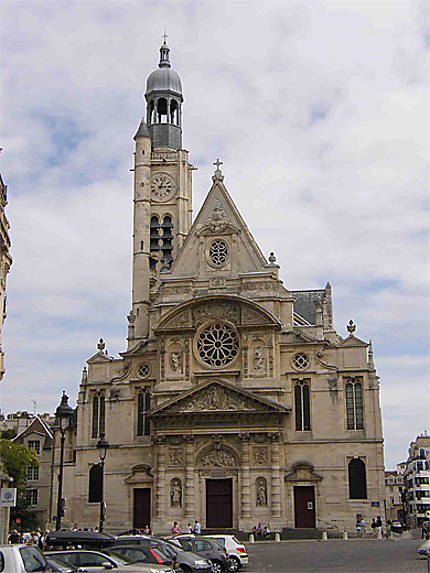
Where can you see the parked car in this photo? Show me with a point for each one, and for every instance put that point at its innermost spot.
(59, 566)
(188, 561)
(209, 549)
(397, 527)
(93, 561)
(85, 539)
(19, 558)
(236, 550)
(140, 554)
(424, 549)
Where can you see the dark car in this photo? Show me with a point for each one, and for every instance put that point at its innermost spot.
(85, 539)
(210, 549)
(140, 554)
(188, 561)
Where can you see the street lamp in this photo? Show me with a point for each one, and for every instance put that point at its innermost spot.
(63, 415)
(102, 446)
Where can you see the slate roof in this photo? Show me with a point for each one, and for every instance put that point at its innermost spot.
(304, 303)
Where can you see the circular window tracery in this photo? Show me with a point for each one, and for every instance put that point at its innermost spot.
(218, 252)
(217, 345)
(143, 370)
(301, 361)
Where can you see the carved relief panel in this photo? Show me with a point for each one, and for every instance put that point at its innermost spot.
(175, 457)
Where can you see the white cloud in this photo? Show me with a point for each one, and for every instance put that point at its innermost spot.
(318, 111)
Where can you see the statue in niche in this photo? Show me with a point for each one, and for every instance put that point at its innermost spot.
(261, 493)
(176, 361)
(176, 493)
(258, 358)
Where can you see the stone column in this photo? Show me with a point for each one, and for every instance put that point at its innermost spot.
(275, 476)
(245, 483)
(189, 477)
(161, 478)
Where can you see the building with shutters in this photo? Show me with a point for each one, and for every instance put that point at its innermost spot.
(235, 401)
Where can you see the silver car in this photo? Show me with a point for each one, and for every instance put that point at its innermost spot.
(95, 561)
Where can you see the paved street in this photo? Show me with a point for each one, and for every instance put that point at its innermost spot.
(354, 556)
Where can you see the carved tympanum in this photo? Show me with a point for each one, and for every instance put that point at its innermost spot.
(216, 399)
(218, 457)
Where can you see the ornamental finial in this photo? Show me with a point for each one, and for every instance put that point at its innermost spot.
(218, 176)
(351, 327)
(101, 345)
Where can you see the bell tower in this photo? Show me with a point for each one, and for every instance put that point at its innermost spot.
(162, 189)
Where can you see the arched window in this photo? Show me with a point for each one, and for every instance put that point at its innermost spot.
(357, 479)
(143, 406)
(95, 484)
(302, 405)
(162, 110)
(354, 405)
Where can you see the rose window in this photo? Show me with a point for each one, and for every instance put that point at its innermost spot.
(217, 345)
(301, 361)
(218, 253)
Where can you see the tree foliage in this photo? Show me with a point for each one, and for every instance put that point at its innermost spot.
(16, 458)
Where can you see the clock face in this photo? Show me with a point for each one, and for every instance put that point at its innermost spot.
(162, 186)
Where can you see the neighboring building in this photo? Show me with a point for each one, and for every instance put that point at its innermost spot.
(236, 401)
(18, 421)
(393, 496)
(38, 435)
(5, 264)
(417, 481)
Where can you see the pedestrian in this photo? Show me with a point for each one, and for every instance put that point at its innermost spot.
(373, 526)
(358, 527)
(259, 529)
(146, 530)
(189, 528)
(197, 527)
(425, 529)
(14, 537)
(175, 529)
(379, 524)
(363, 527)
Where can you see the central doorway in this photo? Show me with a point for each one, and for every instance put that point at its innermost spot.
(141, 507)
(304, 506)
(219, 503)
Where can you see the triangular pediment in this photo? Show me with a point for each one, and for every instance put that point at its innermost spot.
(352, 340)
(215, 396)
(218, 219)
(99, 357)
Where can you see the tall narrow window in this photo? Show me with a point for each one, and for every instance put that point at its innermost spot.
(302, 406)
(143, 406)
(357, 479)
(354, 406)
(95, 424)
(98, 419)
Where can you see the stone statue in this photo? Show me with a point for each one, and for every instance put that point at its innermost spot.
(261, 494)
(176, 361)
(176, 493)
(258, 358)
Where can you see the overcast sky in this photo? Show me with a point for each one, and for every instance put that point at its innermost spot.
(319, 111)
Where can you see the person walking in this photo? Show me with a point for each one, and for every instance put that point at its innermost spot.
(197, 527)
(379, 525)
(373, 526)
(189, 528)
(363, 527)
(358, 527)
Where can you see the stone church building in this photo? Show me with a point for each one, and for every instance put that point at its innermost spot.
(235, 401)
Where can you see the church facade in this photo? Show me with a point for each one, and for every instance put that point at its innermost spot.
(235, 401)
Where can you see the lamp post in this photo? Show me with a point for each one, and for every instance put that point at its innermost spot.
(63, 415)
(102, 446)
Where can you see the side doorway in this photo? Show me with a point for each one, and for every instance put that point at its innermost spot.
(304, 506)
(141, 507)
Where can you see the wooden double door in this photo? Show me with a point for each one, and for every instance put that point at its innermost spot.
(219, 503)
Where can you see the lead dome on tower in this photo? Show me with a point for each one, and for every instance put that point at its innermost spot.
(165, 78)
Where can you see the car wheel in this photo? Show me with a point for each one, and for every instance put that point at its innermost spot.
(234, 564)
(217, 567)
(186, 569)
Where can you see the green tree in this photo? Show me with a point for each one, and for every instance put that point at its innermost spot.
(8, 434)
(15, 459)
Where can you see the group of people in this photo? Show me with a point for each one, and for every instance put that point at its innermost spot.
(376, 526)
(190, 528)
(260, 531)
(35, 537)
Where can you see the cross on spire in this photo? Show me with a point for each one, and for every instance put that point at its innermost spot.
(218, 163)
(164, 36)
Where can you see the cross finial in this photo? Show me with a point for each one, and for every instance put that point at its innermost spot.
(164, 36)
(218, 163)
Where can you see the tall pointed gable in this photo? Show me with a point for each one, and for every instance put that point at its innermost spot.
(219, 242)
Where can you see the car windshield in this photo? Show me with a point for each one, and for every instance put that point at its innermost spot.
(33, 559)
(219, 541)
(236, 540)
(171, 546)
(58, 565)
